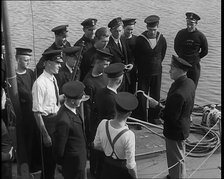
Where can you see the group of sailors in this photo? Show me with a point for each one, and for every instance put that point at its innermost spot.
(103, 70)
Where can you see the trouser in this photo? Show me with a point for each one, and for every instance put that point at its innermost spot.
(48, 170)
(96, 160)
(6, 172)
(194, 73)
(150, 85)
(114, 169)
(175, 151)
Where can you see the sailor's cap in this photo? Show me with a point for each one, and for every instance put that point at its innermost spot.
(23, 51)
(53, 55)
(126, 101)
(115, 70)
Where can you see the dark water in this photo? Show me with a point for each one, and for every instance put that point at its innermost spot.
(31, 23)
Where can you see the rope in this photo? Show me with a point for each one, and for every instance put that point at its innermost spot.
(186, 154)
(204, 161)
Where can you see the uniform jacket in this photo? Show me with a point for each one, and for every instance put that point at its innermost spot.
(69, 140)
(63, 76)
(88, 43)
(177, 111)
(105, 103)
(191, 46)
(92, 85)
(148, 60)
(121, 57)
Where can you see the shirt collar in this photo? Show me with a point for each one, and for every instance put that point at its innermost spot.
(115, 40)
(112, 89)
(69, 68)
(71, 109)
(48, 75)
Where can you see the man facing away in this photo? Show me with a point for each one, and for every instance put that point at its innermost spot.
(150, 50)
(118, 142)
(176, 116)
(191, 45)
(69, 137)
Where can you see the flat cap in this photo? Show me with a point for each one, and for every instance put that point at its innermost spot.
(74, 90)
(192, 16)
(152, 20)
(129, 21)
(116, 22)
(126, 101)
(90, 22)
(104, 54)
(23, 51)
(180, 63)
(115, 70)
(71, 51)
(53, 55)
(60, 29)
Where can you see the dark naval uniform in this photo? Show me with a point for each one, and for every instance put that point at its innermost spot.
(87, 62)
(131, 41)
(69, 138)
(28, 124)
(191, 46)
(176, 116)
(65, 74)
(149, 65)
(88, 43)
(40, 65)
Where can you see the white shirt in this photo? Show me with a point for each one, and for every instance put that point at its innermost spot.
(43, 92)
(69, 68)
(153, 43)
(124, 147)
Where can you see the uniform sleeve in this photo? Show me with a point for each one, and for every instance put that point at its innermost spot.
(61, 137)
(204, 46)
(97, 141)
(130, 150)
(164, 49)
(177, 43)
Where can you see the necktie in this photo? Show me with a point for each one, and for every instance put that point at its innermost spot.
(119, 46)
(56, 92)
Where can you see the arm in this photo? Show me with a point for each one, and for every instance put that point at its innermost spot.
(177, 43)
(61, 137)
(130, 154)
(40, 123)
(204, 46)
(164, 49)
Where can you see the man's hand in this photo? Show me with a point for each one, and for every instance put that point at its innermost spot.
(59, 168)
(47, 140)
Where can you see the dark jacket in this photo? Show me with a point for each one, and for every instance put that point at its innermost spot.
(92, 86)
(148, 60)
(191, 46)
(69, 141)
(105, 103)
(178, 108)
(64, 75)
(88, 43)
(118, 56)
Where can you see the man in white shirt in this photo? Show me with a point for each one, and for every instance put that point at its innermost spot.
(46, 103)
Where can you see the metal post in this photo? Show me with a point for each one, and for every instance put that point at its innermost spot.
(12, 88)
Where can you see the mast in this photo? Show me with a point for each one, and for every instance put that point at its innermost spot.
(12, 91)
